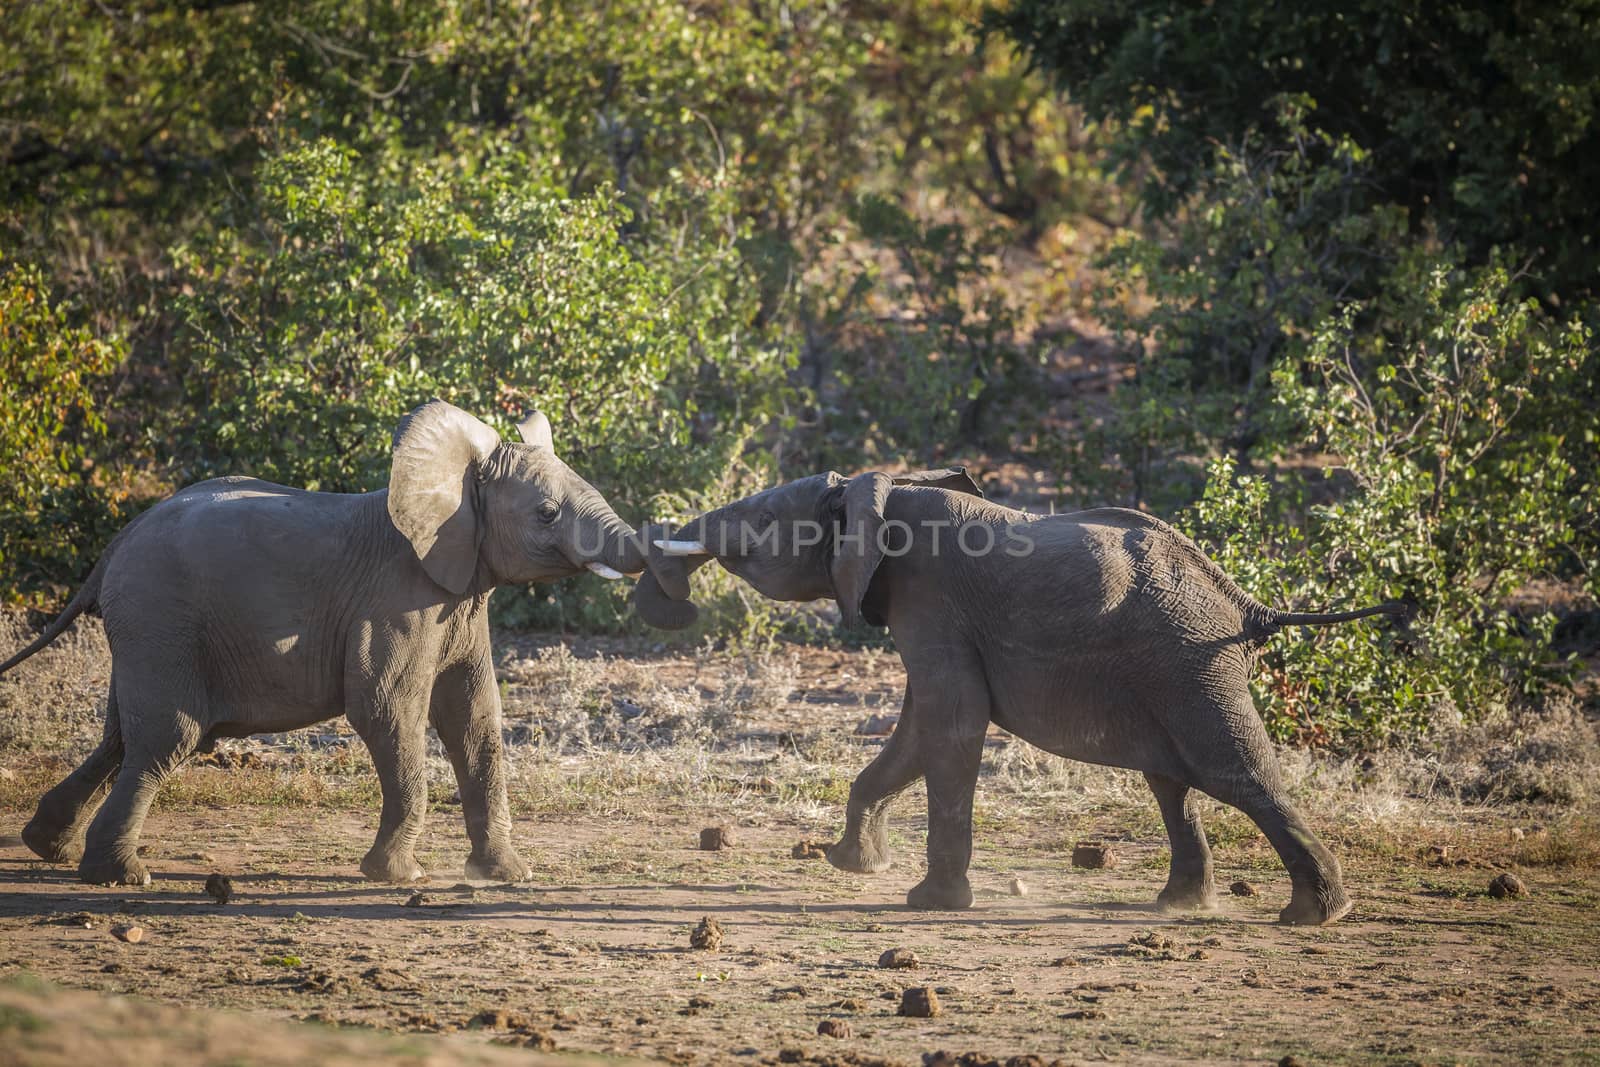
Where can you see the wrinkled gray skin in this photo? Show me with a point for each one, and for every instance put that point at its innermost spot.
(1115, 641)
(239, 607)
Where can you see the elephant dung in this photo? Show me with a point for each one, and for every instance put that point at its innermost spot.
(707, 936)
(834, 1028)
(1507, 885)
(807, 849)
(1093, 855)
(219, 887)
(716, 838)
(131, 934)
(919, 1002)
(899, 959)
(1242, 888)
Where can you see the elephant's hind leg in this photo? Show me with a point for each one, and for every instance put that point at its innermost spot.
(160, 730)
(1247, 778)
(864, 848)
(57, 828)
(1190, 883)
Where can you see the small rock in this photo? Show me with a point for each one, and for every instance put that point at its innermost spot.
(899, 959)
(1018, 887)
(1093, 855)
(1242, 888)
(1291, 1060)
(1507, 884)
(387, 980)
(131, 934)
(1317, 950)
(807, 849)
(323, 982)
(716, 838)
(707, 936)
(876, 725)
(919, 1002)
(416, 899)
(219, 887)
(834, 1028)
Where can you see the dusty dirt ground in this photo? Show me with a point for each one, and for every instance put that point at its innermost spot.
(619, 764)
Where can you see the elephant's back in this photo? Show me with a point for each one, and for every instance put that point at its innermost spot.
(1145, 572)
(231, 541)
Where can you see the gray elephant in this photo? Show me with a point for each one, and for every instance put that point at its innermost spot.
(1103, 636)
(239, 607)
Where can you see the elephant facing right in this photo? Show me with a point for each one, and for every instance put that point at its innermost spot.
(1104, 636)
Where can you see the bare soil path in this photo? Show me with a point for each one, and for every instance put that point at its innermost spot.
(594, 954)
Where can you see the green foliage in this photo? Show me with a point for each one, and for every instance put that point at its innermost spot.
(48, 424)
(1482, 116)
(359, 290)
(920, 348)
(1467, 472)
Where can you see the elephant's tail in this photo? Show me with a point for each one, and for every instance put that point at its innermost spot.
(1268, 621)
(88, 596)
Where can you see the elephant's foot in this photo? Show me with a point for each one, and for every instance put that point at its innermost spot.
(1311, 907)
(503, 865)
(383, 865)
(1188, 896)
(113, 870)
(51, 841)
(928, 895)
(860, 857)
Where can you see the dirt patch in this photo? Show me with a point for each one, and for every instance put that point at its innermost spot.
(614, 776)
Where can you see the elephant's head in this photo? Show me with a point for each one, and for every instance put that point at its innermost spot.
(480, 511)
(814, 538)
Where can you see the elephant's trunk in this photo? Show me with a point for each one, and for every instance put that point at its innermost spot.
(662, 595)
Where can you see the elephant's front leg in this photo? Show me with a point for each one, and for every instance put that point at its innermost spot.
(395, 731)
(953, 717)
(466, 712)
(864, 848)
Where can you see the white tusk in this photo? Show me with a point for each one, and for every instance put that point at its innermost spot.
(682, 548)
(608, 573)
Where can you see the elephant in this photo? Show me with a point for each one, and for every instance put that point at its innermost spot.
(238, 607)
(1102, 635)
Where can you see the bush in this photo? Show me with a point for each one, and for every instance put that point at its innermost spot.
(52, 514)
(1466, 473)
(362, 289)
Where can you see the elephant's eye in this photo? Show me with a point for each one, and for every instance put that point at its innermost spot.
(548, 510)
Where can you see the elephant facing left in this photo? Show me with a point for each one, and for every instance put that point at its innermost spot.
(239, 607)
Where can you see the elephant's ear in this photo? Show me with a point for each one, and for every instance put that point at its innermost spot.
(859, 550)
(955, 479)
(535, 431)
(433, 498)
